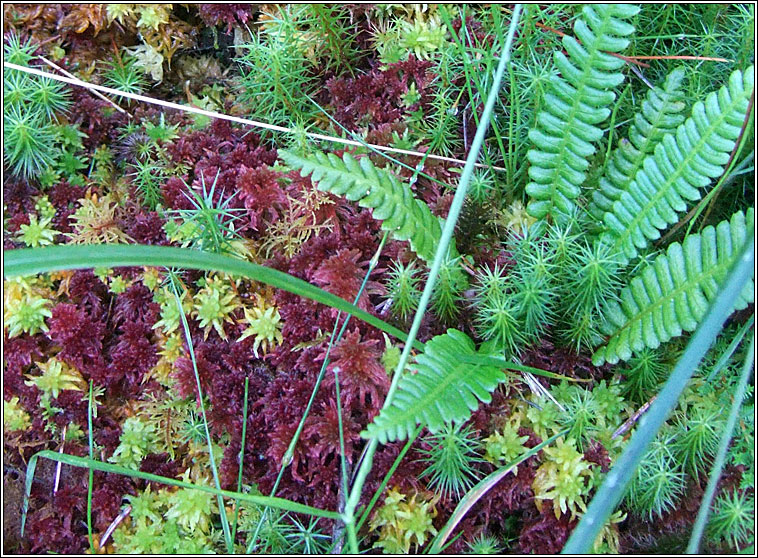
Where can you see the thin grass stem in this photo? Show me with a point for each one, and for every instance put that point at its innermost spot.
(472, 76)
(718, 463)
(440, 255)
(214, 470)
(729, 351)
(241, 458)
(343, 462)
(85, 462)
(335, 338)
(91, 474)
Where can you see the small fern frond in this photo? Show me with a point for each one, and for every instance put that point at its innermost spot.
(442, 390)
(577, 102)
(659, 115)
(673, 294)
(391, 201)
(682, 163)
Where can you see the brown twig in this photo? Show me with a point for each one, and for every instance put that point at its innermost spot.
(636, 59)
(112, 527)
(633, 419)
(676, 227)
(118, 54)
(745, 122)
(683, 57)
(629, 59)
(547, 28)
(731, 156)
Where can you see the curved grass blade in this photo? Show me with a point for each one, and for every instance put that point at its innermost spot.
(718, 463)
(610, 492)
(729, 351)
(27, 261)
(30, 468)
(476, 493)
(96, 465)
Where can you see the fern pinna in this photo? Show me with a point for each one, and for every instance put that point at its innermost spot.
(673, 293)
(681, 163)
(405, 217)
(659, 115)
(443, 389)
(575, 106)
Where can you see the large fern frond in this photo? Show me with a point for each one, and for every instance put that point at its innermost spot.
(577, 102)
(443, 389)
(391, 201)
(658, 116)
(681, 164)
(672, 295)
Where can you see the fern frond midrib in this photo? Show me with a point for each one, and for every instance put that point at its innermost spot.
(409, 414)
(577, 101)
(689, 284)
(649, 140)
(661, 192)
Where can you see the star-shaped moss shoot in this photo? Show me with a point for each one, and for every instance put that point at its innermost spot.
(265, 324)
(214, 304)
(56, 377)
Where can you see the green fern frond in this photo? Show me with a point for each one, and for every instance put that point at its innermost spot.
(577, 102)
(443, 389)
(681, 164)
(673, 294)
(659, 115)
(391, 201)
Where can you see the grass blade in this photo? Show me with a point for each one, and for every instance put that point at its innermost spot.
(502, 363)
(718, 463)
(387, 477)
(30, 468)
(27, 261)
(610, 492)
(241, 458)
(85, 462)
(476, 493)
(333, 340)
(91, 478)
(729, 351)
